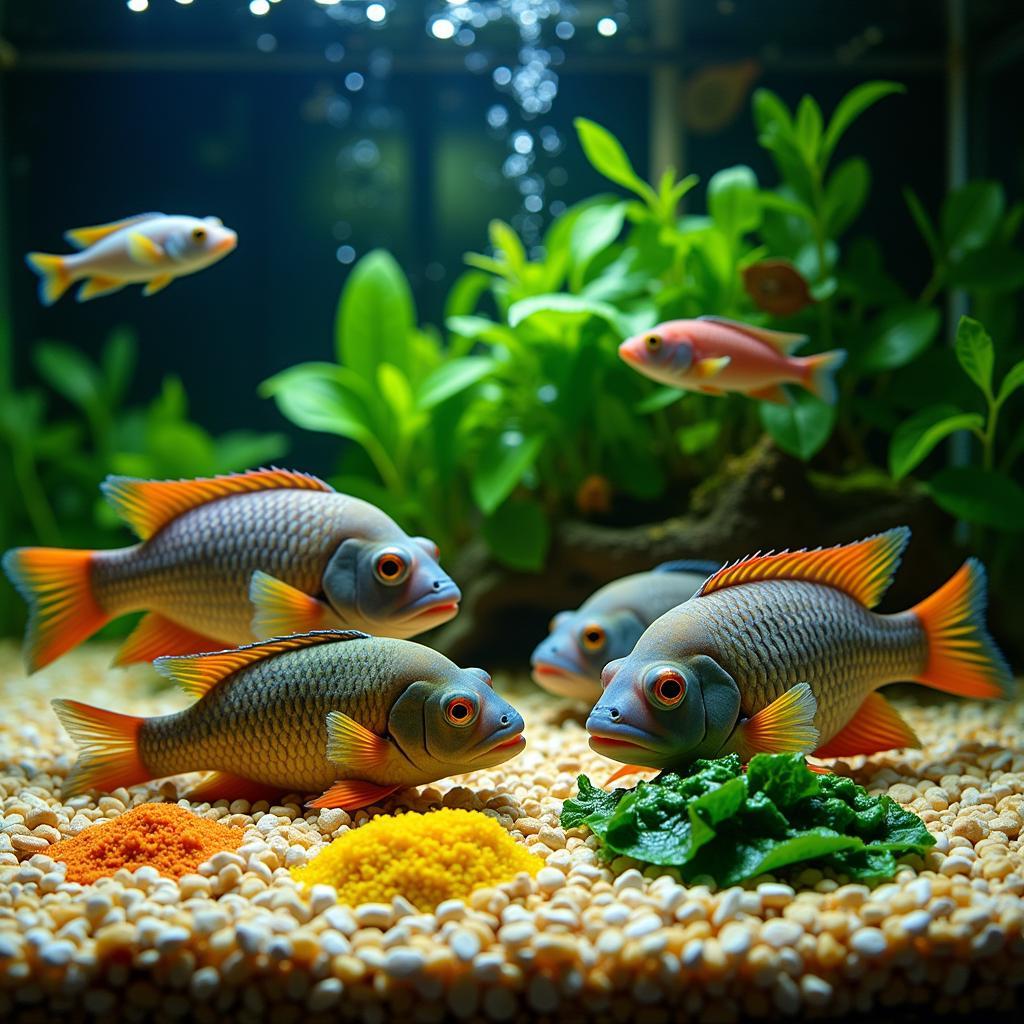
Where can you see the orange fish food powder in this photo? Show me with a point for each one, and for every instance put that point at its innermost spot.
(165, 836)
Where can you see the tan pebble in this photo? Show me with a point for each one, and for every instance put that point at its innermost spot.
(29, 844)
(970, 829)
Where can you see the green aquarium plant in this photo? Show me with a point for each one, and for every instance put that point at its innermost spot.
(731, 825)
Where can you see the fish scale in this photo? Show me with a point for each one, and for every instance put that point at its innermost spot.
(198, 567)
(772, 635)
(267, 722)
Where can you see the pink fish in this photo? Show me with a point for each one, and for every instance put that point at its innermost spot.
(713, 355)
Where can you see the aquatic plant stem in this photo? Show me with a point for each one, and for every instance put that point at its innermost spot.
(40, 514)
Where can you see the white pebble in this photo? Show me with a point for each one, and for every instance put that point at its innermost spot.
(916, 922)
(780, 932)
(324, 994)
(57, 953)
(373, 915)
(465, 944)
(403, 961)
(869, 942)
(550, 879)
(641, 926)
(735, 939)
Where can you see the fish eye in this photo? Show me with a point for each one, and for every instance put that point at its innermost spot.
(199, 234)
(666, 687)
(592, 638)
(391, 568)
(652, 342)
(460, 711)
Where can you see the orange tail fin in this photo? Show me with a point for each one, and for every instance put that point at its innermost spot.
(821, 371)
(962, 657)
(110, 748)
(62, 609)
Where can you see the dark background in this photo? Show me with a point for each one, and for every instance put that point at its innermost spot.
(106, 112)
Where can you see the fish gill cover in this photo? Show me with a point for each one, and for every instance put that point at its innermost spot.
(733, 826)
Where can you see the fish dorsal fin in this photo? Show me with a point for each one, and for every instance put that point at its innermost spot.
(690, 565)
(82, 238)
(782, 341)
(149, 505)
(863, 570)
(197, 674)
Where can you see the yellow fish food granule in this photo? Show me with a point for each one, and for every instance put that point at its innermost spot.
(427, 858)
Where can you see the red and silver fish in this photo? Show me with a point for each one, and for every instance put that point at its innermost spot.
(713, 356)
(231, 559)
(781, 652)
(352, 716)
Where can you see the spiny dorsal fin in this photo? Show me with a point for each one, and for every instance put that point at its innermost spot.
(782, 341)
(82, 238)
(863, 569)
(149, 505)
(197, 674)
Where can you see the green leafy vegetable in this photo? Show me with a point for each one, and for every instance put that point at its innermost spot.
(732, 826)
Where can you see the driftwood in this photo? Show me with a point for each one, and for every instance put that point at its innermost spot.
(765, 501)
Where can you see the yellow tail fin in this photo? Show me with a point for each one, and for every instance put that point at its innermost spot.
(962, 657)
(55, 278)
(109, 757)
(62, 610)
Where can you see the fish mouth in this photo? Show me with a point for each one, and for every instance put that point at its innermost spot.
(443, 611)
(506, 741)
(616, 740)
(564, 682)
(627, 354)
(226, 244)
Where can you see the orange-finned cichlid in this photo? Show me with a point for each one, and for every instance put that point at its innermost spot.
(352, 716)
(568, 661)
(713, 355)
(149, 248)
(781, 652)
(231, 559)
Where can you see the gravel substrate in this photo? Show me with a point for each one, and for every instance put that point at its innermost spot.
(240, 939)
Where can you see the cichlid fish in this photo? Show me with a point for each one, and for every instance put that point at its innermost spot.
(569, 660)
(150, 249)
(231, 559)
(713, 355)
(780, 652)
(353, 716)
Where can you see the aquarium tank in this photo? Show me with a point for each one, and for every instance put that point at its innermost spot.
(469, 470)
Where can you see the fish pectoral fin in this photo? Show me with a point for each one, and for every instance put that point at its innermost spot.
(712, 367)
(94, 287)
(628, 769)
(353, 747)
(351, 794)
(197, 674)
(82, 238)
(158, 284)
(281, 608)
(876, 726)
(225, 786)
(784, 726)
(142, 249)
(773, 393)
(156, 635)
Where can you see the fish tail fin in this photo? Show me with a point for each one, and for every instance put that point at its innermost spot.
(54, 275)
(821, 372)
(962, 658)
(62, 608)
(109, 742)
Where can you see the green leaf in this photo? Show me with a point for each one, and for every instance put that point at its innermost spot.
(900, 336)
(915, 439)
(784, 204)
(923, 222)
(393, 387)
(505, 241)
(314, 396)
(117, 364)
(452, 378)
(590, 800)
(375, 316)
(595, 229)
(800, 428)
(566, 305)
(244, 449)
(1013, 380)
(845, 193)
(734, 200)
(607, 156)
(975, 353)
(771, 115)
(698, 437)
(69, 373)
(850, 107)
(979, 496)
(465, 293)
(503, 464)
(971, 214)
(518, 534)
(660, 399)
(997, 267)
(808, 128)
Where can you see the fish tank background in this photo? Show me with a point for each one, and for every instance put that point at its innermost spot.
(426, 162)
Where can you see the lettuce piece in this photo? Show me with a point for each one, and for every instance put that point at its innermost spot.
(732, 826)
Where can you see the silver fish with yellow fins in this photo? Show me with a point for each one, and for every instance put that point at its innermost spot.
(151, 249)
(568, 661)
(781, 652)
(340, 713)
(230, 559)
